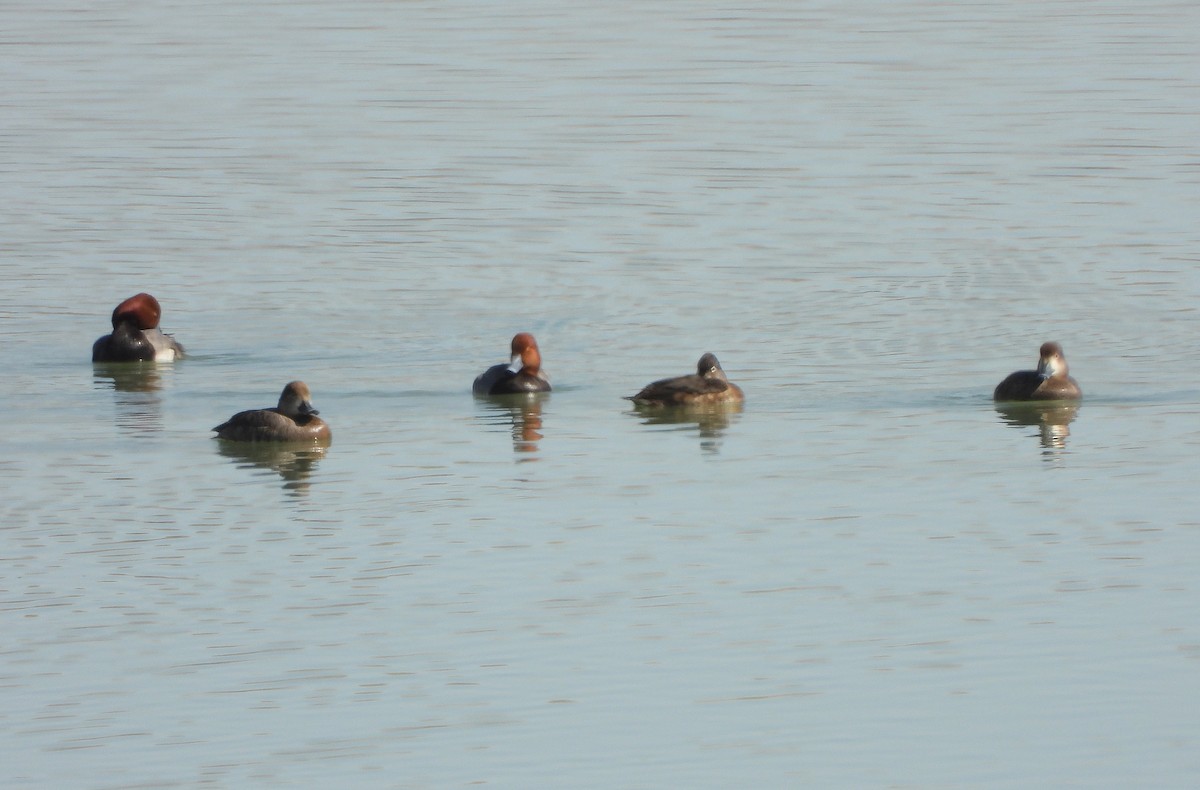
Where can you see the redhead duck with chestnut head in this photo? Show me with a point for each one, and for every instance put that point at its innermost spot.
(523, 374)
(136, 336)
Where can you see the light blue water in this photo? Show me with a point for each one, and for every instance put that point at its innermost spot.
(871, 212)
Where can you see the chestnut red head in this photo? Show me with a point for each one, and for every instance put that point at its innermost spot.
(525, 354)
(142, 309)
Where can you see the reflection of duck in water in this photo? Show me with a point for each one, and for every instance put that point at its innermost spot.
(1049, 382)
(1052, 420)
(525, 415)
(137, 396)
(129, 378)
(294, 464)
(707, 386)
(293, 420)
(711, 420)
(523, 374)
(136, 336)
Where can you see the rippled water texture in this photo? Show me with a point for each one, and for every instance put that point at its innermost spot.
(870, 575)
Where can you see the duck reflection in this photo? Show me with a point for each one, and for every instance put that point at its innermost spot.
(522, 412)
(1052, 420)
(294, 463)
(137, 387)
(130, 376)
(712, 420)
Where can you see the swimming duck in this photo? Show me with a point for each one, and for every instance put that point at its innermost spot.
(1049, 382)
(522, 374)
(293, 420)
(136, 336)
(708, 385)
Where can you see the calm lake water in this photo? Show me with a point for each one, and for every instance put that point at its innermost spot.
(871, 211)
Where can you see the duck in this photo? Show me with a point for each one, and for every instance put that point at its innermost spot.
(136, 336)
(708, 385)
(1050, 381)
(523, 374)
(293, 420)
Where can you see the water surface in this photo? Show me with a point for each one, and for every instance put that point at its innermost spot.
(869, 576)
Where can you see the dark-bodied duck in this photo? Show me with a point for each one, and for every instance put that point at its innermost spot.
(293, 420)
(708, 385)
(1049, 382)
(522, 374)
(136, 336)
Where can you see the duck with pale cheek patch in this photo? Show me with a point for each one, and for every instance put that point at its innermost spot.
(523, 373)
(1050, 381)
(708, 385)
(136, 336)
(293, 420)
